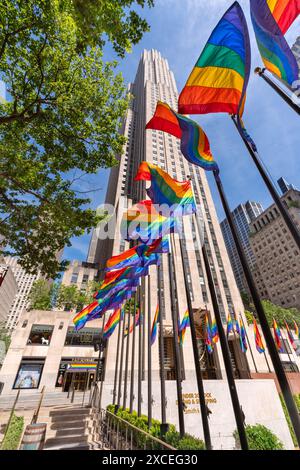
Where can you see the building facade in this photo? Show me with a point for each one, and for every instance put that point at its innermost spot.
(242, 215)
(8, 290)
(277, 269)
(24, 282)
(296, 50)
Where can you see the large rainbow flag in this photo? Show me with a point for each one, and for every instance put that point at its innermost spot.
(143, 223)
(194, 142)
(82, 317)
(154, 326)
(166, 192)
(243, 340)
(290, 336)
(208, 336)
(229, 324)
(123, 260)
(112, 323)
(183, 326)
(258, 339)
(271, 19)
(220, 77)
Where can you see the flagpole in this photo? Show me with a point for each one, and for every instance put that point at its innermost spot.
(140, 359)
(132, 361)
(281, 93)
(175, 339)
(224, 346)
(121, 364)
(149, 358)
(251, 352)
(282, 379)
(102, 348)
(117, 360)
(284, 212)
(127, 357)
(164, 425)
(199, 377)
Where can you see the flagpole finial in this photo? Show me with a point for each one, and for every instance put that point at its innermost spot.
(258, 71)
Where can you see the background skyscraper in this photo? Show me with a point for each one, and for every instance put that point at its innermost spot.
(243, 215)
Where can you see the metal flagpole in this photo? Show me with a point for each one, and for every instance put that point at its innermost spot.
(132, 361)
(225, 349)
(127, 357)
(121, 363)
(279, 91)
(284, 212)
(149, 357)
(175, 340)
(140, 359)
(253, 360)
(283, 382)
(199, 378)
(117, 360)
(164, 424)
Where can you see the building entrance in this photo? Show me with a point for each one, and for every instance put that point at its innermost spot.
(81, 381)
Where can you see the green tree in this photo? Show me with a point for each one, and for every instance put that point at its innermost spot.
(40, 295)
(5, 336)
(61, 119)
(279, 313)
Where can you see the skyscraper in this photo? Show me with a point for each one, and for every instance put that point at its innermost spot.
(296, 50)
(243, 215)
(155, 81)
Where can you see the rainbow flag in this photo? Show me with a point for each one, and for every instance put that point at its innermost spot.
(258, 339)
(130, 273)
(243, 340)
(154, 326)
(165, 191)
(165, 120)
(82, 317)
(297, 333)
(229, 324)
(112, 323)
(214, 332)
(237, 325)
(271, 19)
(123, 260)
(137, 322)
(220, 77)
(115, 287)
(278, 337)
(143, 223)
(194, 142)
(78, 366)
(183, 326)
(208, 336)
(290, 336)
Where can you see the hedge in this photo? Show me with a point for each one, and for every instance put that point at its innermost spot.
(260, 438)
(287, 416)
(14, 433)
(172, 437)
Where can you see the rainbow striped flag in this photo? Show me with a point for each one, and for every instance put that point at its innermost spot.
(154, 326)
(112, 323)
(290, 336)
(243, 340)
(130, 273)
(278, 337)
(214, 331)
(82, 317)
(271, 19)
(78, 366)
(183, 326)
(143, 223)
(220, 77)
(194, 142)
(165, 191)
(258, 339)
(208, 336)
(229, 324)
(297, 333)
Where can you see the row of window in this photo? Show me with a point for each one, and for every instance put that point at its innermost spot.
(42, 334)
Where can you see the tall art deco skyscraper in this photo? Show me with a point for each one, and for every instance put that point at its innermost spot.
(155, 81)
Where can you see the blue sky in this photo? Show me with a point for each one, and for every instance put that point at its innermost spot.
(179, 30)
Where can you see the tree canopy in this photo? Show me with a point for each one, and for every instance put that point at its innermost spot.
(61, 118)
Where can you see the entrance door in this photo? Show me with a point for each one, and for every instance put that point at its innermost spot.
(77, 379)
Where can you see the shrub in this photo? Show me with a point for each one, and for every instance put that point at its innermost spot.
(172, 437)
(260, 438)
(14, 433)
(287, 416)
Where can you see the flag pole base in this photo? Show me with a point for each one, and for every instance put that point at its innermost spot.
(164, 428)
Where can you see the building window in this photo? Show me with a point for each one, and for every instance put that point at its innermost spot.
(74, 278)
(84, 337)
(29, 374)
(40, 334)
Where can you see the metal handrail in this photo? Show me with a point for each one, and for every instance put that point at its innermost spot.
(115, 437)
(36, 413)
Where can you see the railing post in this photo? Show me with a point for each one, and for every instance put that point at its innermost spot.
(36, 413)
